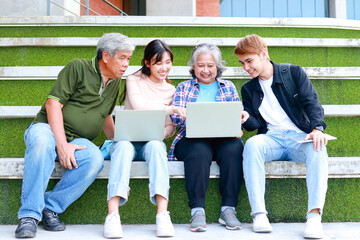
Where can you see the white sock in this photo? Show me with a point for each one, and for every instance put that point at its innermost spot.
(194, 210)
(313, 215)
(223, 208)
(260, 213)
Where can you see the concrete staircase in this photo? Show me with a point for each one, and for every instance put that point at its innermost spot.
(286, 188)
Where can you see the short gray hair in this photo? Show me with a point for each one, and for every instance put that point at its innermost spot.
(207, 48)
(112, 43)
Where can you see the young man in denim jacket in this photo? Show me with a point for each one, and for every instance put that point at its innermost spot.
(278, 118)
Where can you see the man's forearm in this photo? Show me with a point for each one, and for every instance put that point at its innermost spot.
(109, 127)
(55, 120)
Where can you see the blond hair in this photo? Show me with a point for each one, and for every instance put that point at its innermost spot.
(251, 44)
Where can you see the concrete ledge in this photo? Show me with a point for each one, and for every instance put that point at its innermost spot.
(177, 21)
(215, 231)
(31, 111)
(189, 42)
(341, 110)
(339, 167)
(19, 111)
(177, 72)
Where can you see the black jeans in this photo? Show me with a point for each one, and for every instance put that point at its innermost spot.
(197, 154)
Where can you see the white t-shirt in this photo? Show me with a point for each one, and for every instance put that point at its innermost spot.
(271, 110)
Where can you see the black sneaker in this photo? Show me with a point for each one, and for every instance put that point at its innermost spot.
(51, 221)
(26, 228)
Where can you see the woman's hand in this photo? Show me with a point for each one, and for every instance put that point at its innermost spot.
(181, 111)
(242, 133)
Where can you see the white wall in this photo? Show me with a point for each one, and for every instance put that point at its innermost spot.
(72, 6)
(37, 8)
(338, 9)
(170, 8)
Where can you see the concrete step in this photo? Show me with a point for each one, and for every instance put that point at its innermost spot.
(339, 167)
(177, 72)
(126, 21)
(177, 41)
(281, 231)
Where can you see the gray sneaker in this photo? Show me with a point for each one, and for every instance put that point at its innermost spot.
(198, 222)
(228, 218)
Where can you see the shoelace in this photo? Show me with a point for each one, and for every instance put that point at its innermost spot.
(111, 220)
(164, 217)
(28, 221)
(229, 215)
(195, 215)
(113, 217)
(53, 217)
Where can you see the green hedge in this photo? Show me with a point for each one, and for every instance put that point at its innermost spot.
(303, 56)
(286, 201)
(168, 31)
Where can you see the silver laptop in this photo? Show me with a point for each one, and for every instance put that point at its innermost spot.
(139, 125)
(213, 119)
(301, 138)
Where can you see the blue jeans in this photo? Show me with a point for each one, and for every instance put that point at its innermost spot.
(274, 146)
(39, 163)
(122, 155)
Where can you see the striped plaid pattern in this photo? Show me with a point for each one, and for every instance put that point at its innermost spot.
(188, 91)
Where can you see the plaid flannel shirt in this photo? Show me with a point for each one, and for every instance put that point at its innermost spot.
(188, 91)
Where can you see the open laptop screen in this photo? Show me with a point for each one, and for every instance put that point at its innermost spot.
(213, 119)
(139, 125)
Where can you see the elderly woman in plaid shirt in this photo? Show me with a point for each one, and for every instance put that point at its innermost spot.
(197, 153)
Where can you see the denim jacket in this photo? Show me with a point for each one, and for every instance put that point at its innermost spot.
(252, 96)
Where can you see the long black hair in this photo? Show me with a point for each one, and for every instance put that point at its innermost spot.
(155, 48)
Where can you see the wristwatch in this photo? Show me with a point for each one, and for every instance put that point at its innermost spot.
(321, 128)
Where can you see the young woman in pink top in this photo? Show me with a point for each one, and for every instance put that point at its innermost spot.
(147, 89)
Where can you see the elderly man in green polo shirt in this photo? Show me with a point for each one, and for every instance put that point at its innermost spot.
(78, 107)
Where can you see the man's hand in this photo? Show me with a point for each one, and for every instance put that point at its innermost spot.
(244, 116)
(319, 139)
(66, 155)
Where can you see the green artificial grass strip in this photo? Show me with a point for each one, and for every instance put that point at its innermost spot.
(34, 92)
(286, 201)
(342, 200)
(24, 93)
(347, 145)
(343, 129)
(168, 31)
(303, 56)
(10, 191)
(337, 92)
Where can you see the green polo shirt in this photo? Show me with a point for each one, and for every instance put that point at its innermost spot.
(87, 102)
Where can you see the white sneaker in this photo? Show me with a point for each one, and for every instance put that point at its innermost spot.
(112, 227)
(261, 223)
(314, 228)
(164, 226)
